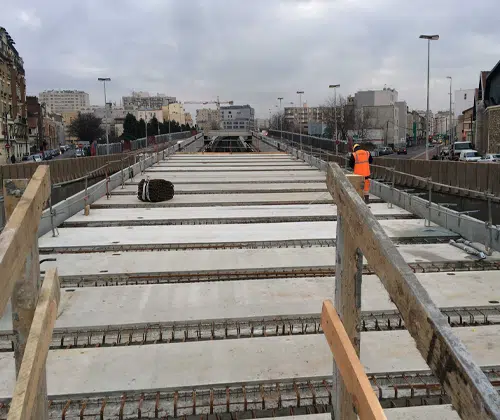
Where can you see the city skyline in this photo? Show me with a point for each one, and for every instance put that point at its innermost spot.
(207, 50)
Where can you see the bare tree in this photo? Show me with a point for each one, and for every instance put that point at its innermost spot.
(338, 109)
(278, 121)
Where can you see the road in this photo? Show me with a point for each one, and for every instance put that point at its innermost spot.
(68, 154)
(416, 152)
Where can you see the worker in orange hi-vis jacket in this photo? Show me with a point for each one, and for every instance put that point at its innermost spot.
(360, 161)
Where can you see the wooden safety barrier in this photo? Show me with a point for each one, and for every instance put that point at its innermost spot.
(346, 358)
(360, 234)
(33, 313)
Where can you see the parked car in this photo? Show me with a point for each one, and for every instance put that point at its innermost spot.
(79, 153)
(385, 151)
(491, 157)
(458, 147)
(469, 156)
(400, 150)
(32, 158)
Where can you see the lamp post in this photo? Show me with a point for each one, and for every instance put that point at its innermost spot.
(281, 120)
(300, 93)
(334, 87)
(429, 38)
(451, 115)
(104, 80)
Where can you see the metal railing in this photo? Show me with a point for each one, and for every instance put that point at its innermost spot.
(142, 143)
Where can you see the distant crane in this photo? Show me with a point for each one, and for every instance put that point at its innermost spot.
(217, 103)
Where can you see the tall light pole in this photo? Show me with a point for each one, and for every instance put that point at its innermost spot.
(300, 93)
(104, 80)
(334, 87)
(429, 38)
(281, 120)
(451, 115)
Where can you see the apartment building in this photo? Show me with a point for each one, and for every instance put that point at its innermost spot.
(149, 114)
(174, 112)
(13, 111)
(188, 118)
(45, 128)
(297, 116)
(237, 117)
(442, 122)
(207, 119)
(60, 101)
(464, 99)
(143, 100)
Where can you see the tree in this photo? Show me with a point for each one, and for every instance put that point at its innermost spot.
(153, 126)
(141, 129)
(86, 127)
(130, 127)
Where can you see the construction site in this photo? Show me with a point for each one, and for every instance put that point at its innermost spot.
(265, 287)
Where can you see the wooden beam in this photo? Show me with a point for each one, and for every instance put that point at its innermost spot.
(20, 231)
(472, 394)
(347, 360)
(348, 272)
(33, 365)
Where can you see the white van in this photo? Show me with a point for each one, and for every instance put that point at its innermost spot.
(469, 156)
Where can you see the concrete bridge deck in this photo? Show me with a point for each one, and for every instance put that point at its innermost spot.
(203, 319)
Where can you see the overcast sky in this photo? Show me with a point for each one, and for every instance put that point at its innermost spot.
(253, 51)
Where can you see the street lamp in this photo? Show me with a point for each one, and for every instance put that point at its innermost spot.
(451, 117)
(429, 38)
(300, 93)
(104, 80)
(281, 119)
(334, 87)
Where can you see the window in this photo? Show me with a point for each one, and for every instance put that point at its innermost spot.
(465, 96)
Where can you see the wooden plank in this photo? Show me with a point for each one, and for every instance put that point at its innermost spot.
(471, 392)
(349, 265)
(32, 371)
(20, 231)
(346, 358)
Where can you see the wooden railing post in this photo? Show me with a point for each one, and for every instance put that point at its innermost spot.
(25, 293)
(349, 266)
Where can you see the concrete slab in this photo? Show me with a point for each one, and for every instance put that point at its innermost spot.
(252, 156)
(245, 176)
(186, 200)
(235, 187)
(229, 168)
(221, 214)
(240, 361)
(256, 299)
(171, 236)
(425, 412)
(250, 163)
(84, 265)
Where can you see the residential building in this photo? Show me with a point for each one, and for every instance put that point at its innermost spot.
(402, 121)
(464, 99)
(13, 110)
(207, 119)
(237, 117)
(386, 96)
(68, 118)
(174, 112)
(486, 112)
(378, 116)
(188, 118)
(45, 128)
(301, 116)
(442, 122)
(464, 127)
(261, 123)
(60, 101)
(143, 100)
(415, 127)
(423, 114)
(148, 114)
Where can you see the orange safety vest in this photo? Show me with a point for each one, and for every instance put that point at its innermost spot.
(362, 163)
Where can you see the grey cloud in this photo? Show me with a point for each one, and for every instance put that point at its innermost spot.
(253, 51)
